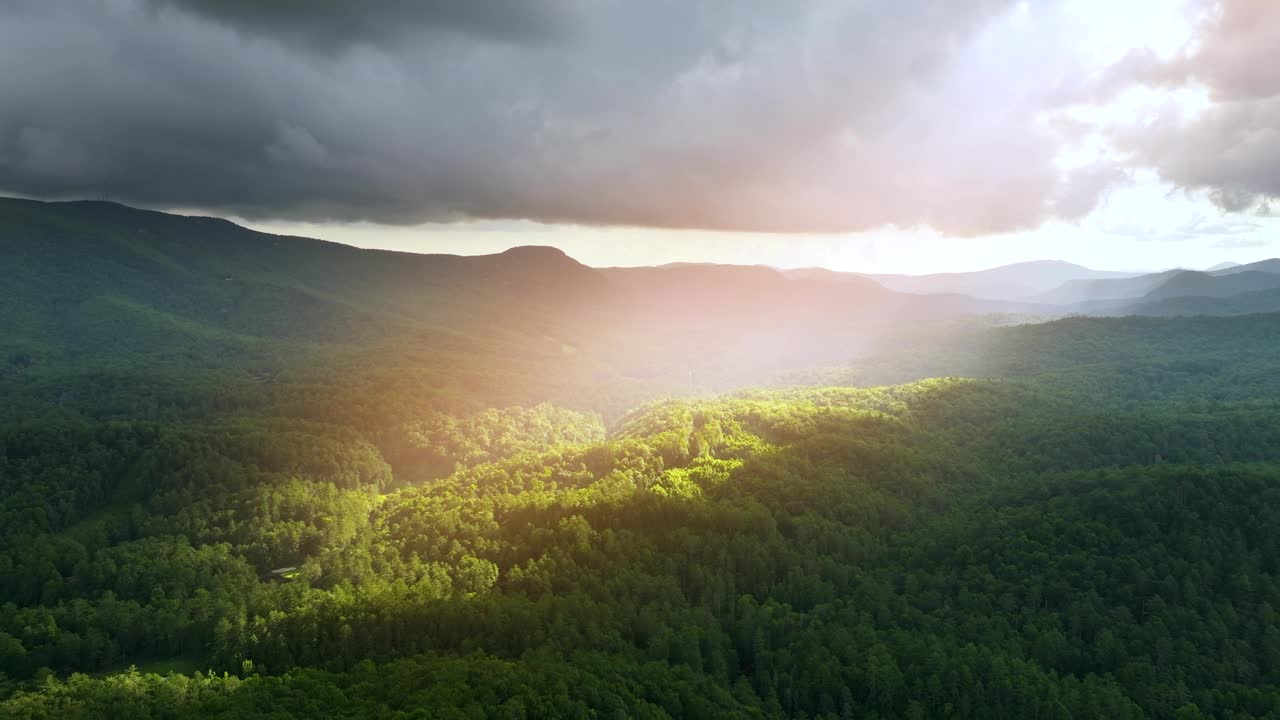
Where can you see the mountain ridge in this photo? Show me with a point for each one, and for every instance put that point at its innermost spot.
(216, 272)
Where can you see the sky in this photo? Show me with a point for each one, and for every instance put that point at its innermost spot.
(913, 136)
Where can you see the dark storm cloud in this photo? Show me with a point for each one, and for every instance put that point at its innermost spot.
(754, 115)
(1231, 150)
(337, 24)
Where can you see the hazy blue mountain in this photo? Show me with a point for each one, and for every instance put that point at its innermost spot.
(1261, 301)
(1268, 266)
(1223, 266)
(1200, 284)
(1110, 294)
(1020, 281)
(1177, 292)
(1106, 289)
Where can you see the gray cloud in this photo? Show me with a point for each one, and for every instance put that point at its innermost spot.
(1232, 150)
(755, 115)
(335, 25)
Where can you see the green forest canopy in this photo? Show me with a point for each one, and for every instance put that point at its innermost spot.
(942, 548)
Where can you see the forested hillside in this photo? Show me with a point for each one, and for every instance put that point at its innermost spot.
(944, 548)
(173, 307)
(493, 489)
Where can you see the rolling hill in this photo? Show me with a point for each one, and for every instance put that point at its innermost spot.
(1079, 292)
(1261, 301)
(1198, 284)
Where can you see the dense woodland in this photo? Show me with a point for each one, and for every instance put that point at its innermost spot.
(1076, 519)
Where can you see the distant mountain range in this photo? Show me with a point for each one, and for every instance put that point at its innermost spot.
(1268, 266)
(119, 285)
(105, 285)
(1021, 281)
(1053, 288)
(1178, 291)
